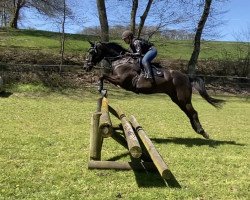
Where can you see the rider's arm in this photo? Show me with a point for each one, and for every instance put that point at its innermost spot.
(138, 48)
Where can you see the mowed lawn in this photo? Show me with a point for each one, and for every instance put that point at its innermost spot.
(45, 145)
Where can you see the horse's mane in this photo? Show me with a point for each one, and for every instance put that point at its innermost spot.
(115, 47)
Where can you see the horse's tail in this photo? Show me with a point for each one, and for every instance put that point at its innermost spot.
(199, 85)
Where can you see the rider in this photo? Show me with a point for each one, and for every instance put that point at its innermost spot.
(141, 47)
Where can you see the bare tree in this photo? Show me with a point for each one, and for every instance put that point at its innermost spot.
(45, 7)
(133, 15)
(4, 12)
(242, 50)
(197, 39)
(16, 7)
(63, 34)
(103, 20)
(144, 16)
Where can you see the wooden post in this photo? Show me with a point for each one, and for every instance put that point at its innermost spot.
(132, 141)
(157, 159)
(105, 126)
(96, 139)
(99, 105)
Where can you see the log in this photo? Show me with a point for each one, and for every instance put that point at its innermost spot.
(155, 156)
(96, 139)
(132, 141)
(105, 125)
(137, 166)
(99, 105)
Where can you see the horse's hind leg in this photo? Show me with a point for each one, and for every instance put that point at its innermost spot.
(193, 116)
(183, 99)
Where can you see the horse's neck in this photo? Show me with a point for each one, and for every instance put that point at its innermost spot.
(112, 53)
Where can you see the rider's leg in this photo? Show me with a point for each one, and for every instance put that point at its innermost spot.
(146, 60)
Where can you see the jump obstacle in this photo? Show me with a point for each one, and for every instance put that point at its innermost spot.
(129, 134)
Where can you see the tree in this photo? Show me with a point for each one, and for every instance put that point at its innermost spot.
(45, 7)
(144, 16)
(63, 34)
(133, 15)
(196, 51)
(103, 20)
(4, 12)
(16, 7)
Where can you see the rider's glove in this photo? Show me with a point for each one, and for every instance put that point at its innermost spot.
(128, 54)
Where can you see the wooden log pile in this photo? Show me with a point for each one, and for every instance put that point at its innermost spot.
(144, 155)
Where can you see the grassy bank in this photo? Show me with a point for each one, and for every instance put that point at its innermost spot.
(49, 42)
(45, 141)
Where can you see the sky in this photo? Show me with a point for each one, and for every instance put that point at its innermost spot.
(237, 21)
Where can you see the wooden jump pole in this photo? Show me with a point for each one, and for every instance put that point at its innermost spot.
(155, 156)
(96, 138)
(132, 141)
(105, 125)
(139, 166)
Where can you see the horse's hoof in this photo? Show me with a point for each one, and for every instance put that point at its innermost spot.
(103, 93)
(204, 134)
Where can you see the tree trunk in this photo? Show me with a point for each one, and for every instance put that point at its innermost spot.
(133, 16)
(143, 17)
(63, 35)
(196, 51)
(103, 20)
(17, 5)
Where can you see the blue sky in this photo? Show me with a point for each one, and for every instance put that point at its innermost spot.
(237, 20)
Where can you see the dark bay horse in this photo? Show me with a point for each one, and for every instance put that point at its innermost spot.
(124, 71)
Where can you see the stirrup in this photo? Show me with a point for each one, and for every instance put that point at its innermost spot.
(148, 76)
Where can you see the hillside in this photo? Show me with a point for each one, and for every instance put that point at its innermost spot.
(30, 46)
(21, 49)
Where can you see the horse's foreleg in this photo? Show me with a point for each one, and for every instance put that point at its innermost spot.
(116, 80)
(100, 84)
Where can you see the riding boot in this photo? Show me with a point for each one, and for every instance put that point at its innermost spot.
(147, 69)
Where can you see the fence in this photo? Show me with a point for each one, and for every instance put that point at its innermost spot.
(75, 76)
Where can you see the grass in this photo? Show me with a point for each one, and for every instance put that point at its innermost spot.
(43, 41)
(45, 143)
(33, 40)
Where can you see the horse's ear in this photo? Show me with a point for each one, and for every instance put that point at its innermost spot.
(91, 43)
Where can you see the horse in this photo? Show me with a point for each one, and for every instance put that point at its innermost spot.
(125, 71)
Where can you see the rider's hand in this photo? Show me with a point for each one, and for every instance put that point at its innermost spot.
(128, 54)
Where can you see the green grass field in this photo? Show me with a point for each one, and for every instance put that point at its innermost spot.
(45, 144)
(49, 42)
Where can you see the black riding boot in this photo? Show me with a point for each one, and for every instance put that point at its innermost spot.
(147, 69)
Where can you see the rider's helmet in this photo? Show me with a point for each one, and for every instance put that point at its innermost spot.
(127, 34)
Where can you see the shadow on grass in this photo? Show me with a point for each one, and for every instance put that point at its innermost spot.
(190, 142)
(149, 178)
(153, 179)
(115, 158)
(5, 94)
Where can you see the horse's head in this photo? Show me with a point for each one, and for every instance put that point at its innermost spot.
(99, 50)
(95, 55)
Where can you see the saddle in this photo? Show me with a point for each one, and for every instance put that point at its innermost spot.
(156, 68)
